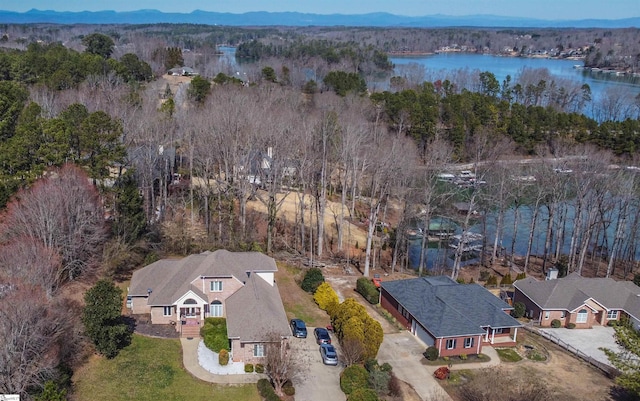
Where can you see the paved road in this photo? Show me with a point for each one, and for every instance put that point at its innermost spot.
(319, 382)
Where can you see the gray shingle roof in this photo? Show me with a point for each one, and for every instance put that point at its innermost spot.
(573, 291)
(446, 308)
(253, 311)
(256, 311)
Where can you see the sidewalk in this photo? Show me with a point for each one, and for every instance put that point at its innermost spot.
(190, 362)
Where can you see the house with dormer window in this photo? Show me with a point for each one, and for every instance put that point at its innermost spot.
(239, 286)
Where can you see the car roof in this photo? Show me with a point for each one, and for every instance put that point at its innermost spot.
(328, 346)
(321, 330)
(298, 321)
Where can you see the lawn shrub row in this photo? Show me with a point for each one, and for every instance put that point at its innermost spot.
(368, 290)
(214, 333)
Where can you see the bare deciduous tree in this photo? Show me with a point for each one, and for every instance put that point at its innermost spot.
(64, 213)
(282, 363)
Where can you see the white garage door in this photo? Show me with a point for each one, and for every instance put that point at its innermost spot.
(422, 334)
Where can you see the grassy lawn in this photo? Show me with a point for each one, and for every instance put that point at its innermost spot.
(298, 303)
(508, 355)
(150, 369)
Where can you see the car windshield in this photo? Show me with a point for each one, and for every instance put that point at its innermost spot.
(330, 351)
(299, 324)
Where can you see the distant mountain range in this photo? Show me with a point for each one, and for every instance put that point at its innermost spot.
(300, 19)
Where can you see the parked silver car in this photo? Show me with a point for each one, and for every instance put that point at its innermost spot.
(329, 354)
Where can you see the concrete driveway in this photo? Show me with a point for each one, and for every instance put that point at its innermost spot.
(404, 353)
(587, 341)
(318, 382)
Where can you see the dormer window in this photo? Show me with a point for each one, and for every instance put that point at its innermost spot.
(216, 286)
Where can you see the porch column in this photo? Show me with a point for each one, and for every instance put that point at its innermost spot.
(515, 333)
(493, 335)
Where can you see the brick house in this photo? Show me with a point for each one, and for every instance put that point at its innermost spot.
(238, 286)
(583, 301)
(455, 318)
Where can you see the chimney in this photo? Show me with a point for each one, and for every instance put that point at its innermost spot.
(552, 274)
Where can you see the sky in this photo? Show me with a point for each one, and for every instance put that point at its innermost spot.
(540, 9)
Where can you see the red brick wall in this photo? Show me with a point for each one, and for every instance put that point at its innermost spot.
(441, 344)
(529, 305)
(391, 306)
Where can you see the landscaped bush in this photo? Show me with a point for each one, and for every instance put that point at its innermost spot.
(431, 353)
(352, 378)
(326, 298)
(312, 280)
(363, 394)
(460, 280)
(259, 368)
(571, 326)
(555, 323)
(463, 357)
(370, 365)
(519, 310)
(395, 388)
(223, 357)
(288, 389)
(612, 323)
(368, 290)
(379, 381)
(352, 322)
(248, 368)
(441, 373)
(266, 390)
(521, 276)
(386, 367)
(214, 333)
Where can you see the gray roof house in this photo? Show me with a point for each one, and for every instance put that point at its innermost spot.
(581, 301)
(238, 286)
(456, 318)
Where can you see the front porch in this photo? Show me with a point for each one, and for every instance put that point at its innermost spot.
(501, 337)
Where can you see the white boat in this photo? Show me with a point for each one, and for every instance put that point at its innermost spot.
(471, 242)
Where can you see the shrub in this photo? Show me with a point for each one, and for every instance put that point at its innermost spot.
(214, 334)
(363, 394)
(571, 326)
(386, 367)
(288, 389)
(519, 310)
(266, 390)
(395, 389)
(612, 323)
(368, 290)
(445, 358)
(370, 365)
(555, 323)
(521, 276)
(491, 281)
(248, 368)
(223, 357)
(326, 297)
(353, 377)
(441, 373)
(312, 280)
(460, 280)
(259, 368)
(431, 353)
(463, 357)
(506, 279)
(379, 381)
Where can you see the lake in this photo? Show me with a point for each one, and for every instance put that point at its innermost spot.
(444, 64)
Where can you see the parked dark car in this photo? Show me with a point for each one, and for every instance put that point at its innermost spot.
(298, 328)
(328, 354)
(322, 335)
